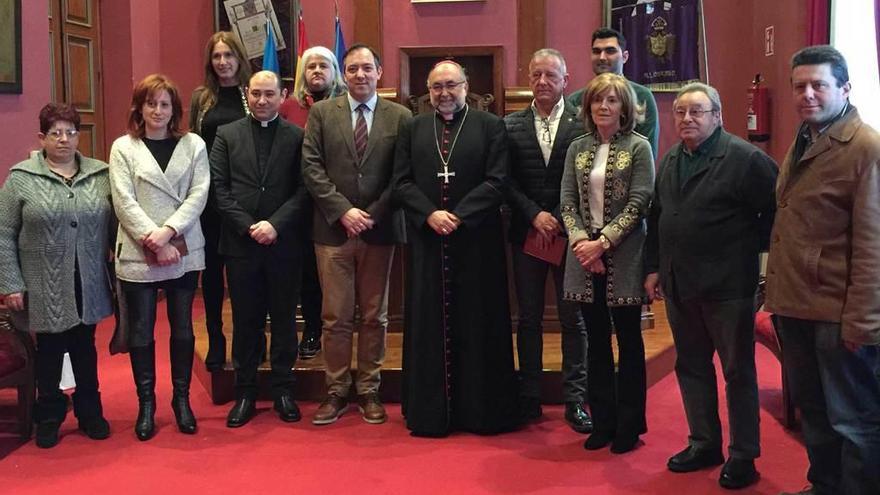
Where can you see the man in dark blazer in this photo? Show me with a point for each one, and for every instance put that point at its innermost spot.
(348, 157)
(255, 169)
(538, 138)
(711, 216)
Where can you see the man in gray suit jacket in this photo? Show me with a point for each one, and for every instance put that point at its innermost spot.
(348, 157)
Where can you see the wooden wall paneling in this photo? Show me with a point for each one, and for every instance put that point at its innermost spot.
(76, 49)
(79, 73)
(79, 12)
(368, 25)
(531, 35)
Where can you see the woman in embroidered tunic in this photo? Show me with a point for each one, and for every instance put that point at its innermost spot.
(219, 101)
(53, 253)
(159, 178)
(606, 189)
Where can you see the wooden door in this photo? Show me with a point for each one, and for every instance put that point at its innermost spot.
(75, 54)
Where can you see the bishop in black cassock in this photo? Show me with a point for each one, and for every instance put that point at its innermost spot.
(450, 170)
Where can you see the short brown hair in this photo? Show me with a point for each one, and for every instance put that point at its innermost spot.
(630, 112)
(150, 86)
(54, 112)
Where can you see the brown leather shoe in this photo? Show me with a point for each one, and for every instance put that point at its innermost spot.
(330, 410)
(371, 407)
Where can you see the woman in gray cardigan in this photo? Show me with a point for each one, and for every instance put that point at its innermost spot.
(159, 178)
(607, 184)
(53, 253)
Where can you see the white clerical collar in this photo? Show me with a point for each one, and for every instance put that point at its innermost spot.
(265, 123)
(554, 113)
(371, 103)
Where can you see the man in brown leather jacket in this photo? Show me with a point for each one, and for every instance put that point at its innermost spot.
(823, 276)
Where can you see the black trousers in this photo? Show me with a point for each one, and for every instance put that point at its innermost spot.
(616, 402)
(530, 276)
(142, 299)
(213, 290)
(310, 295)
(79, 342)
(700, 328)
(259, 285)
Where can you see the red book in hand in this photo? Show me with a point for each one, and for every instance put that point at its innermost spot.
(552, 251)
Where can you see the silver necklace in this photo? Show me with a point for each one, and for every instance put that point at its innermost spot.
(446, 174)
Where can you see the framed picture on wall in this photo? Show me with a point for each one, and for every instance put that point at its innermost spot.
(10, 46)
(251, 15)
(666, 41)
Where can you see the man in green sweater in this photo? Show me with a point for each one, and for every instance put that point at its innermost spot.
(608, 55)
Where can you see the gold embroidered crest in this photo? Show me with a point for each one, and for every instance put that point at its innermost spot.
(623, 160)
(580, 160)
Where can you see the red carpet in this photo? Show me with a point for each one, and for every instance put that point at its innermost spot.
(268, 456)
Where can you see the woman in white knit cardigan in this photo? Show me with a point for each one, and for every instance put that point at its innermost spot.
(159, 178)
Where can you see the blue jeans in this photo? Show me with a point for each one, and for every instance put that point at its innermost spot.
(838, 394)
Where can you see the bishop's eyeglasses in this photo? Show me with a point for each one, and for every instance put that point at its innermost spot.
(448, 86)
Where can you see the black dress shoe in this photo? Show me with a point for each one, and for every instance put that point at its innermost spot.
(96, 428)
(242, 412)
(598, 440)
(529, 409)
(287, 409)
(578, 418)
(309, 346)
(624, 443)
(693, 459)
(738, 473)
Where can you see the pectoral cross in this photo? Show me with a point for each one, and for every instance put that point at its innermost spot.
(446, 174)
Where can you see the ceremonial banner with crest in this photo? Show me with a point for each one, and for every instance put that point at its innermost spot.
(663, 40)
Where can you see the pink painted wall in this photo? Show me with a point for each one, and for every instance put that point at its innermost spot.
(319, 17)
(18, 113)
(141, 38)
(570, 23)
(492, 22)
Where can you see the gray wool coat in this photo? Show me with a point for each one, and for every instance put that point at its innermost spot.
(629, 186)
(145, 198)
(45, 228)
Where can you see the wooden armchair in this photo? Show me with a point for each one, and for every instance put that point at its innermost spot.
(420, 104)
(17, 369)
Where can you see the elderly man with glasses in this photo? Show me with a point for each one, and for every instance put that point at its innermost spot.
(711, 216)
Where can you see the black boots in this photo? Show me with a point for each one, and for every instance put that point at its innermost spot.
(216, 358)
(181, 375)
(143, 367)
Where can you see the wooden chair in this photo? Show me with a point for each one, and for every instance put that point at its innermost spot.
(420, 104)
(17, 369)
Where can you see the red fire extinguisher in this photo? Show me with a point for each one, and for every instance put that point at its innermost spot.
(758, 115)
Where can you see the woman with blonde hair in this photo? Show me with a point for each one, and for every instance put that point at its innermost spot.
(317, 78)
(607, 186)
(159, 179)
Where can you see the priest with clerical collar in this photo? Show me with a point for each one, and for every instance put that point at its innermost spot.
(449, 174)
